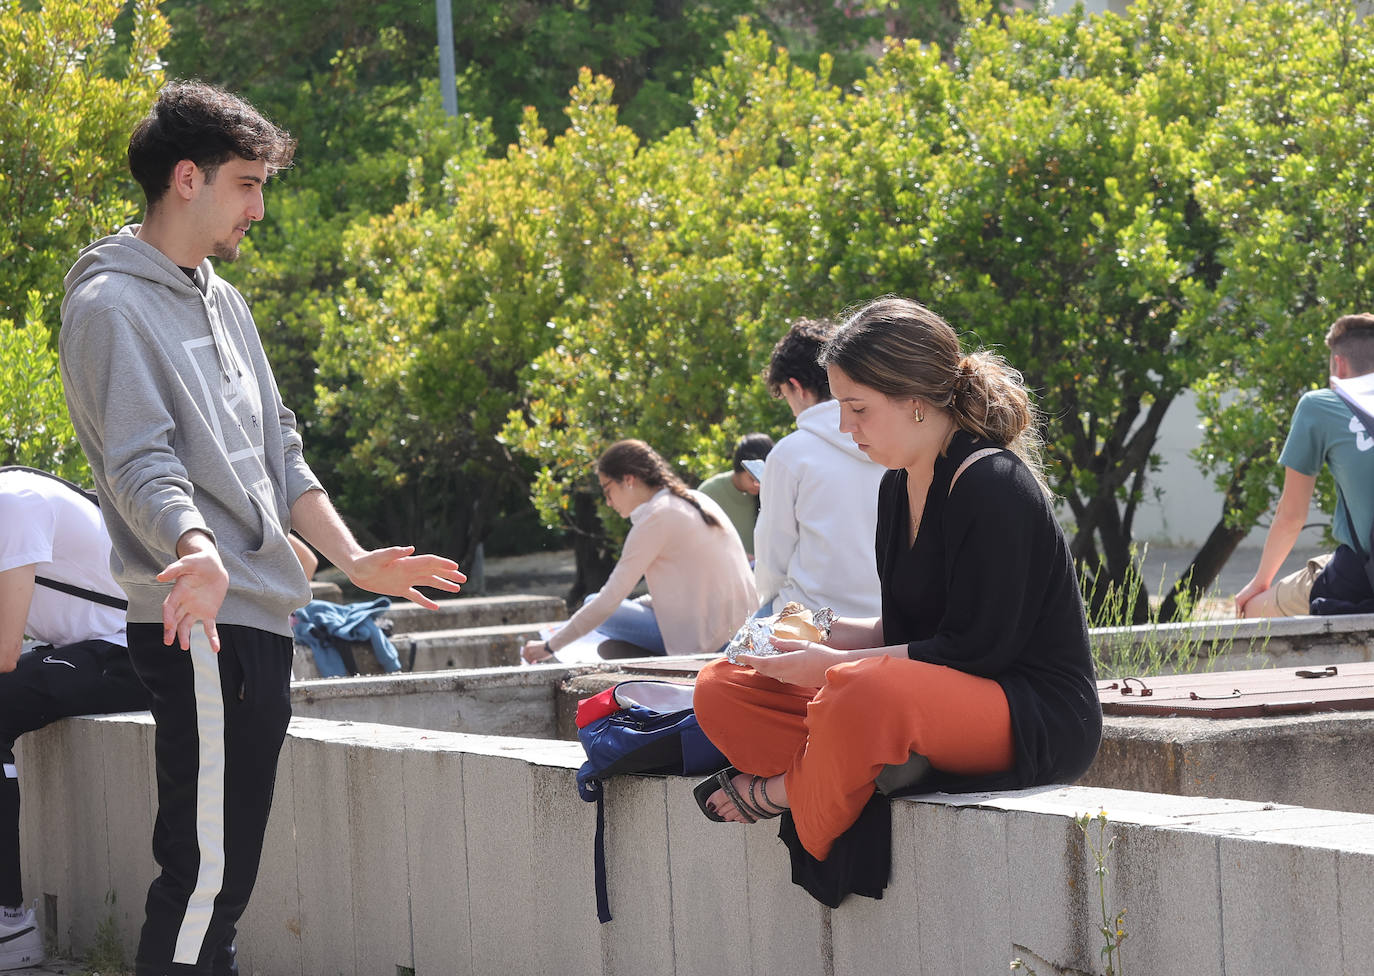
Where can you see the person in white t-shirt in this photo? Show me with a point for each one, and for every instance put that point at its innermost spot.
(56, 589)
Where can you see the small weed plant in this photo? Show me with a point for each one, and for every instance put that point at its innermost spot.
(106, 957)
(1147, 649)
(1113, 927)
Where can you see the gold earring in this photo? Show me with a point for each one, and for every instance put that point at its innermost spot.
(920, 417)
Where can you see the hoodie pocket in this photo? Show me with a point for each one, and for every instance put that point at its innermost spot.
(257, 555)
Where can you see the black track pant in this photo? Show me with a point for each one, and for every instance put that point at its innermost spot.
(221, 719)
(90, 678)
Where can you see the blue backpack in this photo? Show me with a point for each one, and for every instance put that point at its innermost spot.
(637, 727)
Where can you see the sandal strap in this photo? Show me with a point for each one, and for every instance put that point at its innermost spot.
(749, 813)
(763, 788)
(757, 808)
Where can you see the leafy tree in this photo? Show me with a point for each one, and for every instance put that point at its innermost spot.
(1053, 188)
(353, 81)
(70, 92)
(63, 175)
(672, 353)
(294, 265)
(420, 359)
(509, 55)
(34, 427)
(1128, 206)
(1064, 230)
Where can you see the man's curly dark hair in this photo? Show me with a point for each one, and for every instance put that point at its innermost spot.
(207, 125)
(795, 355)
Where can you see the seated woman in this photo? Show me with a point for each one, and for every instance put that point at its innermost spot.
(700, 586)
(979, 669)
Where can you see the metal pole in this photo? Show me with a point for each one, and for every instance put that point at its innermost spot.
(448, 84)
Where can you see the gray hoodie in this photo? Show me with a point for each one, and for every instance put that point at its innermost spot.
(176, 407)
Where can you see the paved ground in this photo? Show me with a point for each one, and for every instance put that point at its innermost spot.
(60, 967)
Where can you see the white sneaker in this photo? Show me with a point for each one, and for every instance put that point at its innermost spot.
(21, 944)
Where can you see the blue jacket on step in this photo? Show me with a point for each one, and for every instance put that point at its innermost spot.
(319, 623)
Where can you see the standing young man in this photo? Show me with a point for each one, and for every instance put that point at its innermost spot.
(1326, 433)
(818, 504)
(201, 476)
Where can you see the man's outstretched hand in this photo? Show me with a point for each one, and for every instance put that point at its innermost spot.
(397, 571)
(199, 584)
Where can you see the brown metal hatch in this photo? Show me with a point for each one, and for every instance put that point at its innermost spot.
(1243, 694)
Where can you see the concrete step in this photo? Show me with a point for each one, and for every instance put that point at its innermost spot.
(475, 611)
(326, 590)
(439, 650)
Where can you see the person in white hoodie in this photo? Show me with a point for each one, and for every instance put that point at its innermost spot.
(819, 496)
(201, 477)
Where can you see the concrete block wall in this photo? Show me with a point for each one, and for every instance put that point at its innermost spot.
(392, 849)
(1309, 760)
(491, 701)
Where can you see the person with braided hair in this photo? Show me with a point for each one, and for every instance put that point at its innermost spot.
(977, 674)
(682, 545)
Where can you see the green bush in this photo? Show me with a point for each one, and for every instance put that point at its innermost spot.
(70, 92)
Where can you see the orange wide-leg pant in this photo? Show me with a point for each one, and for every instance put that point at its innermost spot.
(831, 744)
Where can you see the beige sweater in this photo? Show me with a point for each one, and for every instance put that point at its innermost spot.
(698, 576)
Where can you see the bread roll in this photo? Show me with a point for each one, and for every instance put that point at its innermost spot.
(794, 623)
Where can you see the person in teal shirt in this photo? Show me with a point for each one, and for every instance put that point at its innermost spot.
(737, 490)
(1324, 432)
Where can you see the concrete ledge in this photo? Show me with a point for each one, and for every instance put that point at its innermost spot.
(448, 853)
(540, 701)
(476, 611)
(1296, 759)
(471, 647)
(1275, 642)
(438, 650)
(326, 590)
(532, 702)
(1308, 759)
(466, 632)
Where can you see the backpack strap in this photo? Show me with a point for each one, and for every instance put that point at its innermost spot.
(1366, 555)
(104, 599)
(71, 589)
(1354, 536)
(968, 461)
(603, 899)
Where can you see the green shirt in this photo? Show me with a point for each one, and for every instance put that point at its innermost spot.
(1324, 431)
(741, 507)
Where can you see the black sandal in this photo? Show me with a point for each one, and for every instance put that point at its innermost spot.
(754, 809)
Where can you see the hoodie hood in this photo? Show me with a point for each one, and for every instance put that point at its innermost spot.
(823, 420)
(125, 254)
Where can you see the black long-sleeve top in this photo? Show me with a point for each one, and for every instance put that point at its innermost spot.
(989, 588)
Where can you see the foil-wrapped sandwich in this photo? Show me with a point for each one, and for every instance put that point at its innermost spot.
(795, 622)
